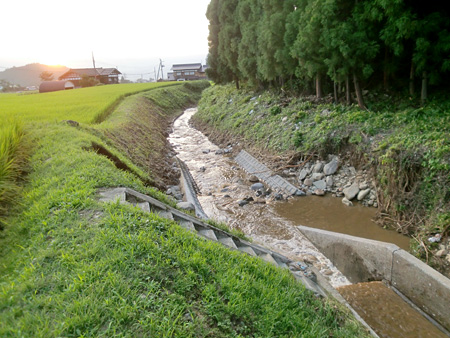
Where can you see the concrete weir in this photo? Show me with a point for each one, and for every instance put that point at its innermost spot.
(363, 260)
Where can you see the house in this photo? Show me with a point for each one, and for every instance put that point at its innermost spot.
(104, 75)
(170, 77)
(190, 71)
(53, 86)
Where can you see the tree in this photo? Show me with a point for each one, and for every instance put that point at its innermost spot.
(229, 38)
(218, 70)
(87, 81)
(249, 12)
(273, 58)
(46, 76)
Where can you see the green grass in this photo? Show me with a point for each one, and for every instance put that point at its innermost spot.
(73, 267)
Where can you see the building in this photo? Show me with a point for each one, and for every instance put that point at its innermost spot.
(170, 77)
(190, 71)
(103, 75)
(53, 86)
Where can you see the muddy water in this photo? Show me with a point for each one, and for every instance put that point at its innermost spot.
(398, 320)
(328, 213)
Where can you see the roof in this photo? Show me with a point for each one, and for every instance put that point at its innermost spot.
(108, 71)
(53, 86)
(187, 66)
(91, 72)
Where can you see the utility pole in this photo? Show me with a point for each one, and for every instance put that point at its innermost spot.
(162, 66)
(93, 62)
(160, 69)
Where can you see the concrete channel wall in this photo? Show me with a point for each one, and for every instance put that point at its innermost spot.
(363, 260)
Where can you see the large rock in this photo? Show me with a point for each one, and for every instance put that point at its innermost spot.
(321, 184)
(347, 202)
(351, 192)
(317, 167)
(303, 173)
(319, 192)
(329, 181)
(331, 167)
(308, 182)
(363, 185)
(317, 176)
(362, 194)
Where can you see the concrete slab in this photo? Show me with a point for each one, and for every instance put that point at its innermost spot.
(362, 260)
(423, 285)
(359, 259)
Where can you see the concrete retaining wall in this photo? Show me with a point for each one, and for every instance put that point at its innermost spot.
(362, 260)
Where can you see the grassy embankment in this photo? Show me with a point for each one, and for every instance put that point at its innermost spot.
(407, 146)
(72, 267)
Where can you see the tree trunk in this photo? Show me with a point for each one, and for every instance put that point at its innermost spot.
(424, 93)
(335, 92)
(411, 80)
(347, 90)
(237, 82)
(386, 71)
(358, 93)
(318, 86)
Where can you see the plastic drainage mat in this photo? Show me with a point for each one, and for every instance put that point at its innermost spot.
(253, 167)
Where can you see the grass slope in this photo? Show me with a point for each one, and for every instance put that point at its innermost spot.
(73, 267)
(407, 146)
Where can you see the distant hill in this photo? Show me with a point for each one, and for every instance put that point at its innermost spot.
(29, 75)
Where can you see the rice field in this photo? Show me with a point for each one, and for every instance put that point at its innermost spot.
(84, 105)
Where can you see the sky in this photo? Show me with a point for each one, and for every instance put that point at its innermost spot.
(130, 34)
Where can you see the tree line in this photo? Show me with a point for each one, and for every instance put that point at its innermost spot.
(335, 45)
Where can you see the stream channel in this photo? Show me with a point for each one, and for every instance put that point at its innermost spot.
(273, 224)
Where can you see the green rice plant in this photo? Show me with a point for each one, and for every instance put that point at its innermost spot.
(12, 158)
(84, 105)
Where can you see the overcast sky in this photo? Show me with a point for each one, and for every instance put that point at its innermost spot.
(130, 34)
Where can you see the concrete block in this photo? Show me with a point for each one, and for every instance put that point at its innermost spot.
(228, 241)
(247, 250)
(111, 195)
(268, 258)
(163, 213)
(145, 206)
(188, 225)
(209, 234)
